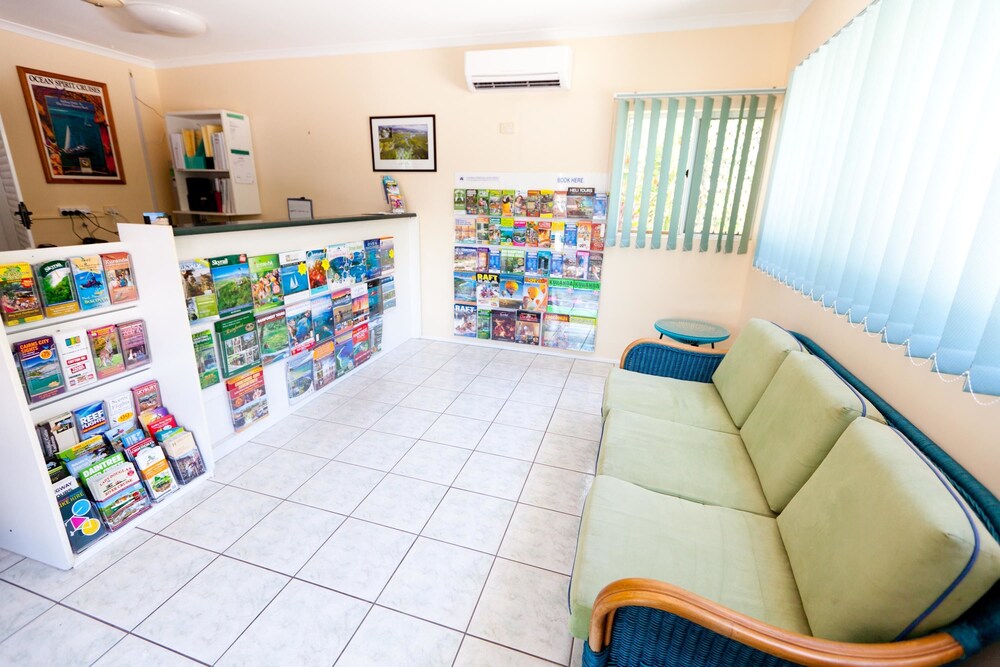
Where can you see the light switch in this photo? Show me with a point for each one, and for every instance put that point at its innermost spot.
(508, 128)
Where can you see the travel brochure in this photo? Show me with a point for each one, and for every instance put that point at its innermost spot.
(64, 286)
(528, 265)
(319, 310)
(109, 460)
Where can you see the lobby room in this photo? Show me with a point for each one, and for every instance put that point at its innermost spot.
(715, 381)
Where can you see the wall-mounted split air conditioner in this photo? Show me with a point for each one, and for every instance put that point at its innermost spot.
(507, 69)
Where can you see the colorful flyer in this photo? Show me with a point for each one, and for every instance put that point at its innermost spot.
(206, 357)
(265, 277)
(324, 364)
(39, 363)
(299, 320)
(199, 289)
(238, 344)
(107, 351)
(135, 344)
(120, 277)
(231, 275)
(55, 283)
(272, 332)
(294, 275)
(247, 398)
(76, 359)
(299, 375)
(19, 302)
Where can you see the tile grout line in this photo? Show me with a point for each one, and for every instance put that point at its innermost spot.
(314, 421)
(371, 603)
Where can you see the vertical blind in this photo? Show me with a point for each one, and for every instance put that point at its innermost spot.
(885, 191)
(685, 169)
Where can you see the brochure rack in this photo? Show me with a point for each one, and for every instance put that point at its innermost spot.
(30, 522)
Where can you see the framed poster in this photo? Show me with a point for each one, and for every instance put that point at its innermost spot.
(403, 143)
(73, 126)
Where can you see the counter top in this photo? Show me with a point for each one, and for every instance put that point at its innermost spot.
(253, 226)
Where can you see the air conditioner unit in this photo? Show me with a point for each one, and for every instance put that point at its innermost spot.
(506, 69)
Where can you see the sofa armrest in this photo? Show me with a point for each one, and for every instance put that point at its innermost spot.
(670, 359)
(936, 649)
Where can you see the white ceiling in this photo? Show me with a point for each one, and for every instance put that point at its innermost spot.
(258, 29)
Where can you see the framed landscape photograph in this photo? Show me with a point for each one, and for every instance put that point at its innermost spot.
(403, 143)
(73, 126)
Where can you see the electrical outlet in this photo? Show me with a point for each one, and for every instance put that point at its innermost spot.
(111, 210)
(74, 210)
(508, 128)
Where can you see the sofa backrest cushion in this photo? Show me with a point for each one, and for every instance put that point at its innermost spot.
(881, 546)
(750, 364)
(796, 422)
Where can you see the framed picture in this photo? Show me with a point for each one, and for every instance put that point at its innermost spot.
(403, 143)
(74, 128)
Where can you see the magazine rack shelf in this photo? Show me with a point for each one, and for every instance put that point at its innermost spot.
(239, 171)
(400, 323)
(30, 521)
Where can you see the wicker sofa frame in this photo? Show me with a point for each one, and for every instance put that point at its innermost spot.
(647, 623)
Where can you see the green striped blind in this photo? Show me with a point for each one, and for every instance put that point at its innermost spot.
(687, 168)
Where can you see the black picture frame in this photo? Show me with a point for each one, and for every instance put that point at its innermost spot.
(403, 143)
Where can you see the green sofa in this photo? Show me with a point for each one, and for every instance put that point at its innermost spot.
(762, 509)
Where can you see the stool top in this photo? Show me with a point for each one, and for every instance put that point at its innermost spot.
(691, 331)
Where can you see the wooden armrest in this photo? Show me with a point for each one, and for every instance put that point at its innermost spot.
(936, 649)
(667, 342)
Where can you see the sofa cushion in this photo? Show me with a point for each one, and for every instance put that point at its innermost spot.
(749, 365)
(685, 461)
(875, 537)
(798, 419)
(734, 558)
(694, 403)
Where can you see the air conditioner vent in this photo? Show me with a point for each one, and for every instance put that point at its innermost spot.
(524, 83)
(513, 69)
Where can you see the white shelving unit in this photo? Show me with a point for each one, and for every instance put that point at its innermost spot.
(30, 522)
(239, 146)
(399, 323)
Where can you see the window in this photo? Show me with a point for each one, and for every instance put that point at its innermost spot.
(886, 183)
(685, 168)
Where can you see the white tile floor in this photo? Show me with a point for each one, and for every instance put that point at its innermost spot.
(422, 512)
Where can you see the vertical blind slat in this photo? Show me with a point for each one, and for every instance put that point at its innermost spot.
(758, 174)
(647, 179)
(840, 123)
(675, 210)
(932, 141)
(980, 283)
(751, 121)
(618, 154)
(733, 170)
(899, 44)
(696, 171)
(628, 210)
(868, 105)
(886, 182)
(713, 181)
(662, 187)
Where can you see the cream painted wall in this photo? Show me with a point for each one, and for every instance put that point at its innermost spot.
(967, 431)
(820, 21)
(44, 199)
(310, 131)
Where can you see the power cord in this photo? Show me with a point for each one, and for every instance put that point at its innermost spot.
(72, 226)
(98, 224)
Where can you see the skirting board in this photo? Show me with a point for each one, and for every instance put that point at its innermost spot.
(519, 347)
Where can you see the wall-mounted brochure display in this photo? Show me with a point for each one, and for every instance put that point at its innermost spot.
(529, 254)
(317, 310)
